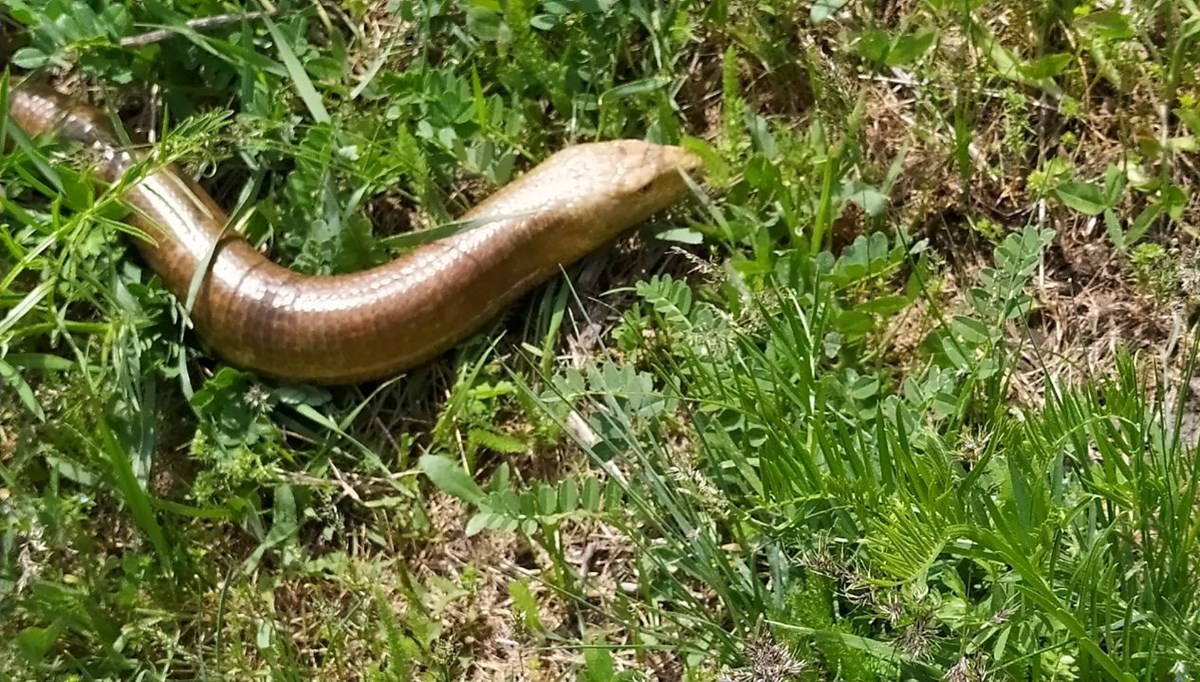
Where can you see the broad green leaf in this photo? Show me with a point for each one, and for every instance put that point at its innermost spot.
(1183, 144)
(681, 235)
(823, 10)
(1142, 223)
(1109, 24)
(853, 322)
(637, 87)
(1113, 225)
(525, 604)
(614, 496)
(874, 45)
(884, 305)
(33, 643)
(951, 348)
(909, 48)
(1114, 184)
(1082, 196)
(1190, 118)
(971, 330)
(71, 470)
(304, 86)
(598, 665)
(867, 197)
(944, 403)
(1176, 200)
(865, 387)
(450, 478)
(10, 376)
(1047, 66)
(139, 502)
(25, 305)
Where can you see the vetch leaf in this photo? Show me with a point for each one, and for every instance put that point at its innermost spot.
(568, 495)
(480, 522)
(954, 354)
(864, 387)
(614, 497)
(547, 499)
(528, 504)
(591, 495)
(498, 442)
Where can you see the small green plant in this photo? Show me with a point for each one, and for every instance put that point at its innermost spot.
(62, 27)
(1154, 269)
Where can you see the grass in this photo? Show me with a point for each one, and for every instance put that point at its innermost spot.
(901, 393)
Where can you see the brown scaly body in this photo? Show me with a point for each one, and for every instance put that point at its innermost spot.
(381, 321)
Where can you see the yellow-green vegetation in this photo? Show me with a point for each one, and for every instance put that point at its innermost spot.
(901, 394)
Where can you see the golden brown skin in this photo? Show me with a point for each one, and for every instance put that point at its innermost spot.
(381, 321)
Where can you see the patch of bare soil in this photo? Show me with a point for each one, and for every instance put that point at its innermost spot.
(1089, 302)
(489, 624)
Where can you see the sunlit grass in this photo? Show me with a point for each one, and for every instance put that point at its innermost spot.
(884, 400)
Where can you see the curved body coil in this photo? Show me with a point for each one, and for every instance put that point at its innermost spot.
(380, 321)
